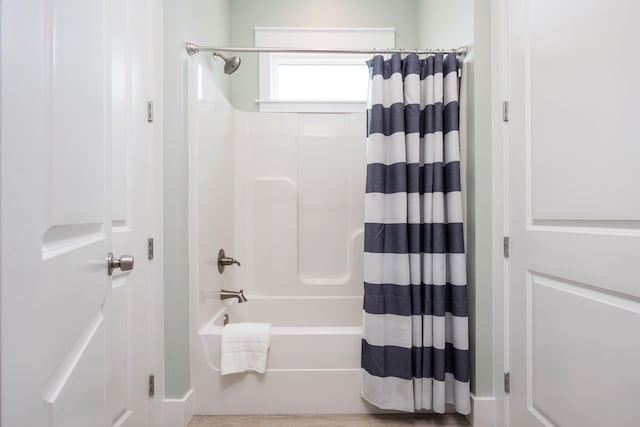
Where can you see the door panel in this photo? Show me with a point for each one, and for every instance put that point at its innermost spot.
(73, 166)
(120, 342)
(78, 76)
(74, 394)
(581, 353)
(574, 214)
(580, 91)
(55, 217)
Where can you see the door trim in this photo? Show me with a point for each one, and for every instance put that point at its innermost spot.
(500, 207)
(156, 190)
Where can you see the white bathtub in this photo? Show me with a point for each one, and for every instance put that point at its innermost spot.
(313, 363)
(306, 333)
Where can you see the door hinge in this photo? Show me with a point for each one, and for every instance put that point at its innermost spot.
(507, 382)
(150, 111)
(505, 111)
(150, 248)
(505, 246)
(152, 386)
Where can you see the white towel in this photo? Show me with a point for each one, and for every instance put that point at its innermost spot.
(244, 347)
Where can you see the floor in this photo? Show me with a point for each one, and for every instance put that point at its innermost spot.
(451, 420)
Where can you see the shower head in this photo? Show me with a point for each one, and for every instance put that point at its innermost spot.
(230, 64)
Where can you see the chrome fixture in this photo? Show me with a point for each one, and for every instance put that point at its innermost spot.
(124, 263)
(192, 49)
(224, 294)
(230, 64)
(224, 260)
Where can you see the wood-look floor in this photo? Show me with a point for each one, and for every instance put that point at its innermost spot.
(450, 420)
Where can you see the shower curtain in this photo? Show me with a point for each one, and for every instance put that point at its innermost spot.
(415, 347)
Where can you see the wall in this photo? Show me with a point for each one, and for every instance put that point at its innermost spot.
(480, 198)
(300, 203)
(248, 14)
(446, 23)
(259, 188)
(200, 21)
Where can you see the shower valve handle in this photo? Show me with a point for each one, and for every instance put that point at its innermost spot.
(224, 260)
(228, 261)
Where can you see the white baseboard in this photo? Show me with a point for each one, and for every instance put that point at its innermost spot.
(483, 411)
(178, 412)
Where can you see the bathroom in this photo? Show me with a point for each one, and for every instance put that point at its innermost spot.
(145, 150)
(282, 191)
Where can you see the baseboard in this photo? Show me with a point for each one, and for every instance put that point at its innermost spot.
(178, 412)
(483, 411)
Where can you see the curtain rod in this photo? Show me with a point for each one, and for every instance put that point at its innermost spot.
(192, 49)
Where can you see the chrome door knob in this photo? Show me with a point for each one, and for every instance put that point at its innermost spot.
(124, 263)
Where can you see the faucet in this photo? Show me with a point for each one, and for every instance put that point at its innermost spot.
(224, 294)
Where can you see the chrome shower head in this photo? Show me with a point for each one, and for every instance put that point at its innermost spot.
(230, 64)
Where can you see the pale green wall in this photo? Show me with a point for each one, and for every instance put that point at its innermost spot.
(200, 21)
(480, 198)
(248, 14)
(445, 23)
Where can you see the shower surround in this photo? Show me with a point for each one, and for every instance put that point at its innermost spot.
(284, 194)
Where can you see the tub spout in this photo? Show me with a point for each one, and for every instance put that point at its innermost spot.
(224, 294)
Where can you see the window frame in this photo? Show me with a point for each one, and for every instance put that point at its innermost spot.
(329, 38)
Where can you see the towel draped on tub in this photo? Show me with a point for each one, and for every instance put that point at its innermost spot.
(244, 347)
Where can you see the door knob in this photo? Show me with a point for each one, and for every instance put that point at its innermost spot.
(124, 263)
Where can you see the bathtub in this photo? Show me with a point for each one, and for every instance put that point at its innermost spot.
(313, 363)
(305, 332)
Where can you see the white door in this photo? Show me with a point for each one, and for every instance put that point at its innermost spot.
(574, 202)
(66, 333)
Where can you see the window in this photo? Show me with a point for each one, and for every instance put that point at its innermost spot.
(317, 82)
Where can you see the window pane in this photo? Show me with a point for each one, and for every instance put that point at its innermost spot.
(322, 82)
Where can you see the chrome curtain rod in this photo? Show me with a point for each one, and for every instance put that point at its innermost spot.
(192, 49)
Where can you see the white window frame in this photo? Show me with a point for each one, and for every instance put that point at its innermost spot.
(318, 38)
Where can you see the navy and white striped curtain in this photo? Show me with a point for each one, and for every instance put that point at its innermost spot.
(415, 348)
